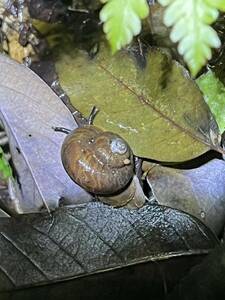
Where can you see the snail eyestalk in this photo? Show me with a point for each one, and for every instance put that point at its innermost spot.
(62, 129)
(92, 115)
(82, 121)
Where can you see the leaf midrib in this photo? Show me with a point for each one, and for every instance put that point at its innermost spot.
(147, 102)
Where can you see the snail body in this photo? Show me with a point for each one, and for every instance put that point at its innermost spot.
(99, 161)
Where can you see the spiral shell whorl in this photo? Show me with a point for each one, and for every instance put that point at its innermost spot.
(99, 161)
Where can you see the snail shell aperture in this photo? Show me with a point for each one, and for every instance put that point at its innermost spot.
(99, 161)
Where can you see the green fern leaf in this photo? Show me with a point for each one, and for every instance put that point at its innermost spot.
(5, 169)
(190, 21)
(214, 94)
(122, 20)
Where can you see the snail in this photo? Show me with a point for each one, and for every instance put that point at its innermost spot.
(100, 161)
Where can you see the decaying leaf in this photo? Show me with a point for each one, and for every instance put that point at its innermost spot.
(11, 28)
(92, 238)
(199, 192)
(29, 109)
(158, 109)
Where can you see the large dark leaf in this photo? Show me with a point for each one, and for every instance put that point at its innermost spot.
(29, 109)
(205, 281)
(73, 242)
(154, 279)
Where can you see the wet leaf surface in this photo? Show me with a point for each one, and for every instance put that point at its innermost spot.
(199, 192)
(29, 109)
(73, 242)
(158, 109)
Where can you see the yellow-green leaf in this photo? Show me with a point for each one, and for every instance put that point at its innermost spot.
(159, 110)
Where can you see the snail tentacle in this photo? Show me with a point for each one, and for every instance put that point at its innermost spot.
(62, 129)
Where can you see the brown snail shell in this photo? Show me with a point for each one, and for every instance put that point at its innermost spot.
(99, 161)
